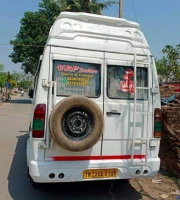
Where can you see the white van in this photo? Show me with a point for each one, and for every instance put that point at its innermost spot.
(97, 112)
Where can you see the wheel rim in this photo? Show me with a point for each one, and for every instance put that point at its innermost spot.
(77, 123)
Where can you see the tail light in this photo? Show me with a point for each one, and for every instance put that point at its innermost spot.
(39, 121)
(157, 123)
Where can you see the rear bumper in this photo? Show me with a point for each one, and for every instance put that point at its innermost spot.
(39, 171)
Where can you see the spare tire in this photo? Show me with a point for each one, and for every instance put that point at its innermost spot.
(76, 123)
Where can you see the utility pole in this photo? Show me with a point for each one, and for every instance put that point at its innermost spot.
(120, 8)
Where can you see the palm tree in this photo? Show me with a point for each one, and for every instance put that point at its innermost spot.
(88, 6)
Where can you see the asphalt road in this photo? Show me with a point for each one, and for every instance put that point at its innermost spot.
(14, 184)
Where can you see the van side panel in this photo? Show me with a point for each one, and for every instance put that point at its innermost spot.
(40, 97)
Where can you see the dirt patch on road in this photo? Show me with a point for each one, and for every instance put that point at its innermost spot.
(152, 191)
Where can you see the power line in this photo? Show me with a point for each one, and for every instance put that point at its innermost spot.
(134, 10)
(25, 45)
(5, 49)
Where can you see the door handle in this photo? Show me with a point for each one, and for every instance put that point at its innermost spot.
(113, 112)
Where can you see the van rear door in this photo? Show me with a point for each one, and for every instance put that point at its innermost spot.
(119, 107)
(65, 65)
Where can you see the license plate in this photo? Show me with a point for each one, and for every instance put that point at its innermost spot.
(100, 173)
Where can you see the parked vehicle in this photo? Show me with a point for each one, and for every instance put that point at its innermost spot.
(97, 112)
(30, 93)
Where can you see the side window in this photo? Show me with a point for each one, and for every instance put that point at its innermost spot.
(37, 77)
(36, 82)
(121, 82)
(77, 78)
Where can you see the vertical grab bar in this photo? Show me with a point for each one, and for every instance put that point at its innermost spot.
(134, 112)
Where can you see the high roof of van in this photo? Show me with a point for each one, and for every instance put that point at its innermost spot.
(84, 26)
(86, 17)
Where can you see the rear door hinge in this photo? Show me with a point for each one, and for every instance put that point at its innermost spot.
(43, 145)
(46, 83)
(154, 90)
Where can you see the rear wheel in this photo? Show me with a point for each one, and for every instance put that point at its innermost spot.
(34, 184)
(121, 183)
(31, 181)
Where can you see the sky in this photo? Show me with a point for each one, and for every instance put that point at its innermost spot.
(159, 21)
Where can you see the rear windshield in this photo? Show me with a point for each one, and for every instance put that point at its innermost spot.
(77, 78)
(121, 82)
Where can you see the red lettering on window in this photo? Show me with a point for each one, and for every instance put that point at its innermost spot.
(75, 68)
(60, 67)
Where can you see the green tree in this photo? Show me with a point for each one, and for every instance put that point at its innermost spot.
(13, 83)
(88, 6)
(1, 67)
(17, 76)
(22, 79)
(25, 84)
(168, 68)
(29, 42)
(2, 77)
